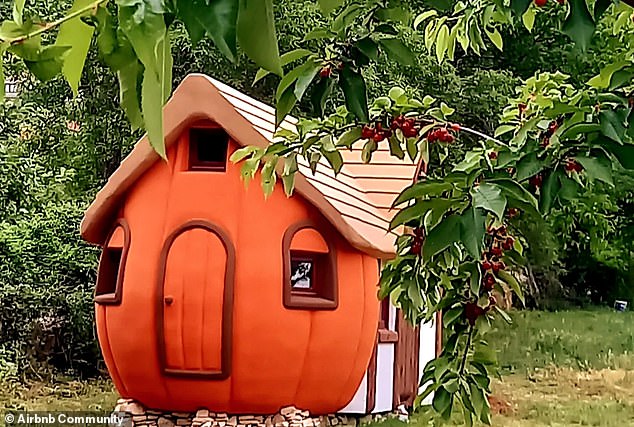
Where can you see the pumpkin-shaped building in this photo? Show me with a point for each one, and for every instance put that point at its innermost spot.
(210, 296)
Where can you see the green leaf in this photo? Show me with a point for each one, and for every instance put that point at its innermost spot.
(579, 24)
(18, 9)
(495, 37)
(3, 47)
(145, 31)
(395, 147)
(189, 12)
(513, 284)
(442, 39)
(485, 355)
(218, 18)
(47, 62)
(269, 177)
(349, 137)
(288, 181)
(528, 19)
(77, 35)
(256, 34)
(519, 7)
(489, 197)
(579, 129)
(369, 48)
(285, 59)
(528, 166)
(328, 6)
(368, 149)
(290, 78)
(423, 17)
(611, 125)
(320, 94)
(305, 79)
(242, 153)
(472, 230)
(549, 191)
(354, 92)
(422, 189)
(503, 314)
(600, 6)
(152, 109)
(514, 189)
(623, 153)
(442, 236)
(397, 51)
(130, 77)
(602, 80)
(442, 400)
(420, 209)
(335, 160)
(597, 168)
(284, 105)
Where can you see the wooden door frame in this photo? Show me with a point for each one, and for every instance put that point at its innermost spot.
(227, 304)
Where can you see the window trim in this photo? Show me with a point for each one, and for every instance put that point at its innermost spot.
(114, 298)
(314, 299)
(194, 164)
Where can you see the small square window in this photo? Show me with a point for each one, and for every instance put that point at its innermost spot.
(208, 149)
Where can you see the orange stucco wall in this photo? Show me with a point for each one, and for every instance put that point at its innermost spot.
(311, 359)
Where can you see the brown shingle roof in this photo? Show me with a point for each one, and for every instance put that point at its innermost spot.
(356, 201)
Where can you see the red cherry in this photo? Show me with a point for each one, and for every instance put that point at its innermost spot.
(536, 180)
(367, 132)
(410, 132)
(493, 155)
(486, 265)
(378, 137)
(455, 127)
(325, 72)
(513, 212)
(508, 244)
(496, 251)
(394, 124)
(416, 247)
(540, 3)
(489, 282)
(472, 311)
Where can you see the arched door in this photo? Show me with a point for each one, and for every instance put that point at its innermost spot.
(195, 301)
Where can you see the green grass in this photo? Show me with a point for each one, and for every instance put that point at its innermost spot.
(568, 368)
(578, 339)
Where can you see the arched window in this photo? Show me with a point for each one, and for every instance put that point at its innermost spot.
(310, 272)
(112, 264)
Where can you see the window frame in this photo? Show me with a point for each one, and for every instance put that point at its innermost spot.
(324, 294)
(113, 298)
(194, 164)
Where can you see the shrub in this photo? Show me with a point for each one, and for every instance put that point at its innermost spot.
(46, 279)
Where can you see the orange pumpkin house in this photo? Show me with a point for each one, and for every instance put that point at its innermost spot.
(208, 295)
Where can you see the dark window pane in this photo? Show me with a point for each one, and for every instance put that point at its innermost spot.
(301, 274)
(109, 271)
(208, 149)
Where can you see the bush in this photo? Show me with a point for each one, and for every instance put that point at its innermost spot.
(46, 282)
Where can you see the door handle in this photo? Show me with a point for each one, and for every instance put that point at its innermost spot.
(168, 300)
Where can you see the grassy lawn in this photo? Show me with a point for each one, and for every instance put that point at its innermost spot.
(571, 368)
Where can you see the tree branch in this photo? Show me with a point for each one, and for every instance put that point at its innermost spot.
(56, 23)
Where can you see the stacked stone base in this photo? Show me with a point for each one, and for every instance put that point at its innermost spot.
(286, 417)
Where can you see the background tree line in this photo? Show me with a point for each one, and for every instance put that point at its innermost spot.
(56, 151)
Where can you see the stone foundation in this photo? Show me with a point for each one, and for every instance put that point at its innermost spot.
(287, 417)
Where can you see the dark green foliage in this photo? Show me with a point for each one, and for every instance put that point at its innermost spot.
(46, 277)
